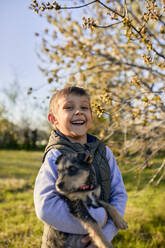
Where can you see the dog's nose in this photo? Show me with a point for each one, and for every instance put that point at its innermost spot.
(60, 185)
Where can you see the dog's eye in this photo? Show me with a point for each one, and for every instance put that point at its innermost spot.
(72, 170)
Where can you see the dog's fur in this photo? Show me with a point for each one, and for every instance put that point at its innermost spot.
(77, 185)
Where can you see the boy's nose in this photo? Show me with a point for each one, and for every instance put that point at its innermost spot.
(78, 111)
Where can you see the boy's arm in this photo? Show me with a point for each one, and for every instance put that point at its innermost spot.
(118, 195)
(50, 208)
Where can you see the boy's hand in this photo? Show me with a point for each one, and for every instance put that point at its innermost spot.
(86, 240)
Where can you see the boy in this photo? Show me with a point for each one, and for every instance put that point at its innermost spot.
(71, 116)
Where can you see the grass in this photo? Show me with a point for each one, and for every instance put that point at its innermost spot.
(20, 227)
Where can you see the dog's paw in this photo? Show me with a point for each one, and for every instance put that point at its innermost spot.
(121, 223)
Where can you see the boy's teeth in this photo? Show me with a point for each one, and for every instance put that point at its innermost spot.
(77, 122)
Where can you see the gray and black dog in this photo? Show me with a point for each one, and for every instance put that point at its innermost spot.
(77, 185)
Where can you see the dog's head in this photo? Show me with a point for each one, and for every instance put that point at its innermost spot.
(75, 173)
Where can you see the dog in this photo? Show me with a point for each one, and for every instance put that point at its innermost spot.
(77, 185)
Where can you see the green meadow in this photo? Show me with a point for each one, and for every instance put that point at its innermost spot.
(20, 228)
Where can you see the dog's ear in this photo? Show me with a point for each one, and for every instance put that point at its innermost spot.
(86, 157)
(59, 158)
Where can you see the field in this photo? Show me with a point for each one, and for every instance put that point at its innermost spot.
(20, 227)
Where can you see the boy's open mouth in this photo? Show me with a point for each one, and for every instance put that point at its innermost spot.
(77, 123)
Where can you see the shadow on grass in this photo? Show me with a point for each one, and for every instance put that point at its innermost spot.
(138, 180)
(19, 190)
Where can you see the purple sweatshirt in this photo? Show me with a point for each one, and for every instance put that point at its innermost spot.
(50, 208)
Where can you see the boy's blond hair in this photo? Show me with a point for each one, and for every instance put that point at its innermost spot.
(66, 92)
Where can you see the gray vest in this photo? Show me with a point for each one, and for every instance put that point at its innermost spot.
(101, 169)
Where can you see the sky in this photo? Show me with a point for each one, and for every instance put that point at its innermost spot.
(18, 43)
(19, 63)
(18, 59)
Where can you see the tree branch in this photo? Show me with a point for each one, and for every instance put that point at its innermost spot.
(80, 6)
(107, 26)
(157, 172)
(114, 11)
(114, 60)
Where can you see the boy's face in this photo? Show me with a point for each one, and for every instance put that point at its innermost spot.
(73, 117)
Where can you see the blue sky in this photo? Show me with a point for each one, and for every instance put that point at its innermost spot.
(17, 43)
(19, 62)
(18, 59)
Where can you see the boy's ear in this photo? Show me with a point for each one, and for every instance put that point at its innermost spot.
(51, 118)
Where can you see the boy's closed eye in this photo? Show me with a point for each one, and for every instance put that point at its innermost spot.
(68, 107)
(72, 107)
(84, 107)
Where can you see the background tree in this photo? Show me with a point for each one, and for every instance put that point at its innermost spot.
(8, 136)
(119, 57)
(22, 125)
